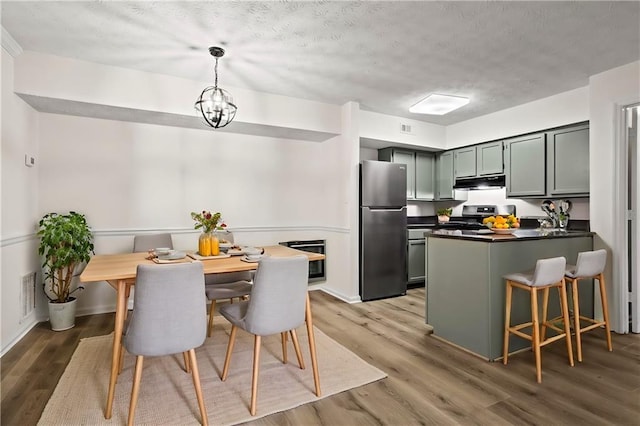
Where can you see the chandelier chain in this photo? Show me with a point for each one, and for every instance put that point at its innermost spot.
(216, 74)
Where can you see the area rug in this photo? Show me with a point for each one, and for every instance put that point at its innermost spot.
(167, 396)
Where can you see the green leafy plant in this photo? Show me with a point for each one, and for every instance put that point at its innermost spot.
(207, 221)
(65, 242)
(444, 212)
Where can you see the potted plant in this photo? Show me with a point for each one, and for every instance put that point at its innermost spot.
(444, 214)
(65, 242)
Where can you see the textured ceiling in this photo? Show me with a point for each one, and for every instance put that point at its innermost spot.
(384, 55)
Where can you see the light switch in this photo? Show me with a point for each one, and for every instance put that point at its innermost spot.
(29, 160)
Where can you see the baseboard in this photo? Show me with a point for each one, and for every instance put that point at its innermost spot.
(19, 337)
(336, 294)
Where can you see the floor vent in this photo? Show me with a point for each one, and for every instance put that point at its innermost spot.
(28, 294)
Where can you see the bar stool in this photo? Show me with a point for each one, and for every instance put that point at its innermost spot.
(547, 274)
(590, 265)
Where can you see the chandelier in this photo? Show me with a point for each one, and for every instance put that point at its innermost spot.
(215, 105)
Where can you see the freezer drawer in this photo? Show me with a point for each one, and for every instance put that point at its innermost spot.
(383, 253)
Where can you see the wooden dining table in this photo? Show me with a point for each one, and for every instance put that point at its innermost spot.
(119, 270)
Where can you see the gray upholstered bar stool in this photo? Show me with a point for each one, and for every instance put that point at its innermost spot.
(590, 265)
(548, 273)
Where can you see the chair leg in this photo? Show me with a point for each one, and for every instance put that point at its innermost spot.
(545, 309)
(196, 384)
(254, 380)
(135, 389)
(187, 365)
(507, 320)
(605, 310)
(227, 359)
(211, 312)
(576, 317)
(565, 318)
(296, 346)
(535, 332)
(283, 337)
(121, 359)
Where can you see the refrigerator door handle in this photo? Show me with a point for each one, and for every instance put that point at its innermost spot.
(386, 210)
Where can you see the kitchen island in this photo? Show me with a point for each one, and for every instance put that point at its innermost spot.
(466, 289)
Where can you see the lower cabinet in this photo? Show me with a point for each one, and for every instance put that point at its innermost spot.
(416, 261)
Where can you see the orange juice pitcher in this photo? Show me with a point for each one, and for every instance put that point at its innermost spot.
(204, 244)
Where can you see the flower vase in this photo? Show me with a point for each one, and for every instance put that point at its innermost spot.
(204, 244)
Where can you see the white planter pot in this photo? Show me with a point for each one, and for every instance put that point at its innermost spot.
(443, 219)
(62, 316)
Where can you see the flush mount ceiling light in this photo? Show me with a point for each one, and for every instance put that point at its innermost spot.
(216, 105)
(438, 104)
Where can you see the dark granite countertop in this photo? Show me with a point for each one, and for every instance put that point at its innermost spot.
(519, 234)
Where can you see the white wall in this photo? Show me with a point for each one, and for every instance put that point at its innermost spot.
(379, 127)
(554, 111)
(608, 93)
(130, 177)
(19, 206)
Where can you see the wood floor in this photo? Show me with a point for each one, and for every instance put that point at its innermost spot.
(429, 382)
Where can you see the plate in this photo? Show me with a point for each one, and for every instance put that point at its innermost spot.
(504, 231)
(235, 252)
(173, 255)
(256, 260)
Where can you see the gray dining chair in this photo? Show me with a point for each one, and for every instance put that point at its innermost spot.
(148, 242)
(169, 318)
(276, 306)
(228, 286)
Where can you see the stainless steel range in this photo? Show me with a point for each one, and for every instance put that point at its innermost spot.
(475, 213)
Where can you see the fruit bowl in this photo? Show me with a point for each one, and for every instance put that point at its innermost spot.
(503, 231)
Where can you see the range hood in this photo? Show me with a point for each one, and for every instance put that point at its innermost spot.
(484, 182)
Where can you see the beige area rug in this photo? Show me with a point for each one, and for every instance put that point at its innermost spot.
(167, 395)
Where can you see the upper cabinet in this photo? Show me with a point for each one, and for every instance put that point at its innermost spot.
(425, 172)
(478, 160)
(420, 171)
(444, 176)
(464, 162)
(550, 164)
(489, 159)
(524, 159)
(568, 161)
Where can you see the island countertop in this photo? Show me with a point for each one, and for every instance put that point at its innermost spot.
(519, 234)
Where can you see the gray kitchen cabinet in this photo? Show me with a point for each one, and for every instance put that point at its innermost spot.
(478, 160)
(420, 171)
(416, 261)
(464, 161)
(402, 157)
(525, 168)
(444, 176)
(489, 159)
(568, 161)
(425, 172)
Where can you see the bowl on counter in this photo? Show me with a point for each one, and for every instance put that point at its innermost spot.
(503, 231)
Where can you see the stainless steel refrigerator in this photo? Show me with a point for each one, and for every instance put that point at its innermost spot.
(383, 230)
